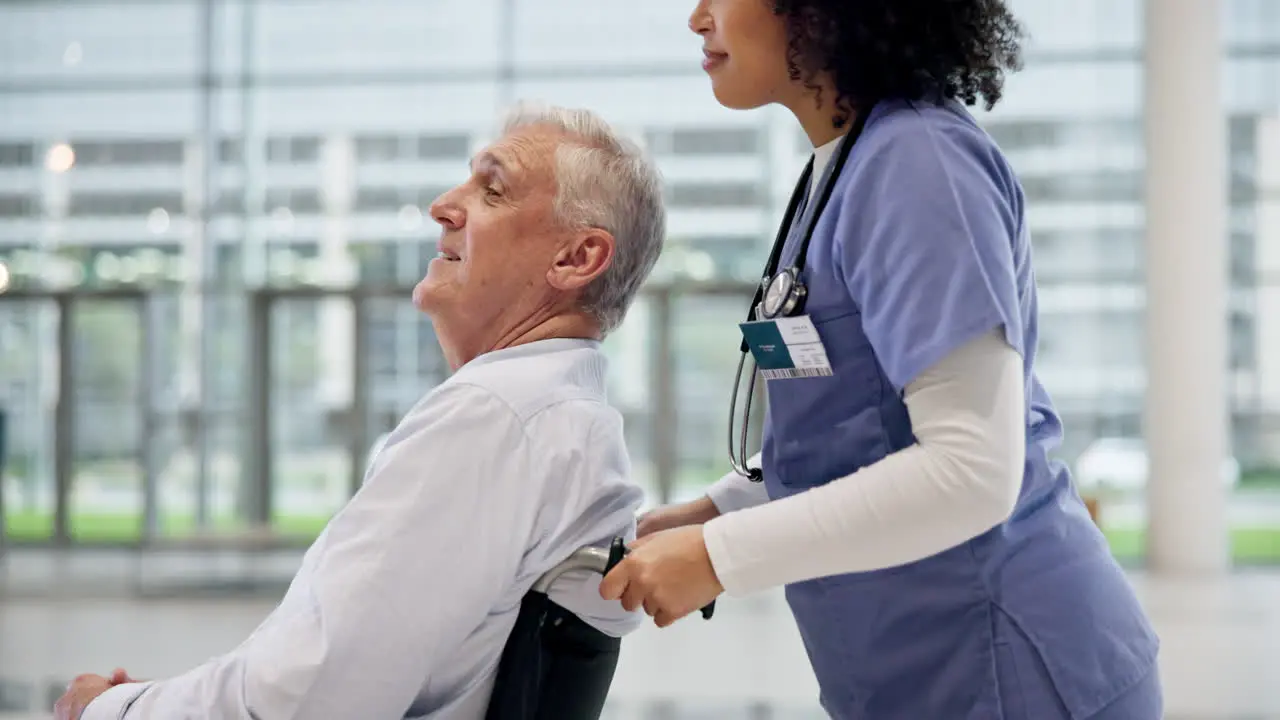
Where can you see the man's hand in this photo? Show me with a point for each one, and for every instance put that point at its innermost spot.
(119, 677)
(667, 517)
(82, 691)
(668, 573)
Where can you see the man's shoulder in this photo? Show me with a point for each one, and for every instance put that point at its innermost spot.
(459, 415)
(475, 398)
(530, 386)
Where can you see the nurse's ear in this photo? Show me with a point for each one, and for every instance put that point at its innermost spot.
(581, 260)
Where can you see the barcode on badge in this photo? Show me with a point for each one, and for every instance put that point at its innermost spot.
(787, 373)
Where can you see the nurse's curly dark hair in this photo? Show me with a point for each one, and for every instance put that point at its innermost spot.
(902, 49)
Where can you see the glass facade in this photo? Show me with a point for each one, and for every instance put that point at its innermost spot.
(212, 212)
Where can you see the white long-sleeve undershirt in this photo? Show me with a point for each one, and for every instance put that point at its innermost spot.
(960, 478)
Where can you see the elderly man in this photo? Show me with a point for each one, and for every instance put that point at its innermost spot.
(402, 606)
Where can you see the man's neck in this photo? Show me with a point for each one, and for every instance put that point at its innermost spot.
(575, 325)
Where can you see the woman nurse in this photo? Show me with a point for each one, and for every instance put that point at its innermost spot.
(938, 563)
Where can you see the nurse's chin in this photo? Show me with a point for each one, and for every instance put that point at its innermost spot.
(735, 97)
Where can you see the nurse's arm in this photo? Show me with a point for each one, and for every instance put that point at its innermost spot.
(407, 570)
(734, 492)
(961, 478)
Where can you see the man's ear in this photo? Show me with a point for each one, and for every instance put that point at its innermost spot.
(582, 260)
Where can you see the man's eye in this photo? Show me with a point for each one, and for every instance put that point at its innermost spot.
(492, 192)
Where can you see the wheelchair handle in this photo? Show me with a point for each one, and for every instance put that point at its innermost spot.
(587, 558)
(618, 550)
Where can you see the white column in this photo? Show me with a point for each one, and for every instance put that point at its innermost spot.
(195, 198)
(1266, 306)
(337, 269)
(1186, 259)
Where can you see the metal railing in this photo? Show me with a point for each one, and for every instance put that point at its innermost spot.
(680, 421)
(259, 395)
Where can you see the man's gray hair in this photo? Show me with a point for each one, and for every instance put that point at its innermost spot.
(606, 181)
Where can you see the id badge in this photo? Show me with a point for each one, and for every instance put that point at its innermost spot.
(786, 348)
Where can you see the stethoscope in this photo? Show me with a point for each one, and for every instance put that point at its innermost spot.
(783, 293)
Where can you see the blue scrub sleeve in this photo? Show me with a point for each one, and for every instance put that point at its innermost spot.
(926, 242)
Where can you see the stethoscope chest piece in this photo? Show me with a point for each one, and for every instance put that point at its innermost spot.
(783, 295)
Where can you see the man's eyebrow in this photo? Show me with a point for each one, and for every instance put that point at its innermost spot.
(488, 162)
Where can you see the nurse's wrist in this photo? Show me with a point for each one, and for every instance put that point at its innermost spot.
(702, 510)
(669, 517)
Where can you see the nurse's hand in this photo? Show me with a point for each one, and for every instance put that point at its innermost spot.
(694, 512)
(668, 573)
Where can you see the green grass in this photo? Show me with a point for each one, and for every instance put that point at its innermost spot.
(1260, 478)
(127, 527)
(1249, 545)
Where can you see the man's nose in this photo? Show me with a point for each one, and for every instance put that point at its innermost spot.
(447, 212)
(700, 19)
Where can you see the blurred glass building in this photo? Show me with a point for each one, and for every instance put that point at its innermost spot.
(212, 214)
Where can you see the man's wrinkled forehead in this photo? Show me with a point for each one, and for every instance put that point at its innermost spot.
(521, 154)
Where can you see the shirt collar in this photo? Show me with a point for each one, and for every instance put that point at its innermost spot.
(536, 348)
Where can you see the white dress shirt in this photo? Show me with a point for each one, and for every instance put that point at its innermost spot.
(403, 604)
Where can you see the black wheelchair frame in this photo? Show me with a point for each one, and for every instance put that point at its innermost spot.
(554, 666)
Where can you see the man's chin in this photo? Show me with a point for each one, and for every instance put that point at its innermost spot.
(425, 297)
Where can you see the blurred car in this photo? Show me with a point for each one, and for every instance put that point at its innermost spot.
(1120, 465)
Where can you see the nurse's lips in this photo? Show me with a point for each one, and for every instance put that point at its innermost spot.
(712, 60)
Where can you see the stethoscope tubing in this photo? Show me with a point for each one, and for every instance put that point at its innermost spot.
(796, 294)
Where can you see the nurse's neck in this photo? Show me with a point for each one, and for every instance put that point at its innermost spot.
(817, 115)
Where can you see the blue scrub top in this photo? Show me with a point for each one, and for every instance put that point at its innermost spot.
(922, 248)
